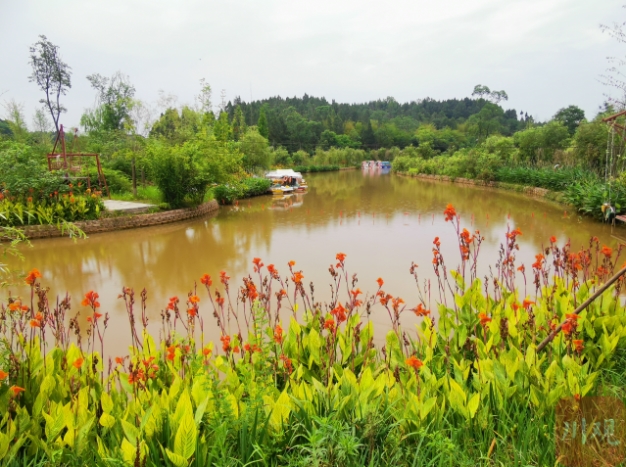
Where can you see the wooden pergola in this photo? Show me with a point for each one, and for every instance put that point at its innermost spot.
(73, 163)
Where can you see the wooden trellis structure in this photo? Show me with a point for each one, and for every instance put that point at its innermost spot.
(73, 163)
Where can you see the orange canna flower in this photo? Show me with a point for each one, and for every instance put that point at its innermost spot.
(297, 277)
(553, 239)
(567, 328)
(258, 264)
(521, 268)
(272, 270)
(291, 263)
(194, 299)
(206, 280)
(35, 323)
(414, 362)
(419, 310)
(484, 319)
(572, 317)
(78, 363)
(339, 312)
(224, 277)
(225, 343)
(329, 324)
(119, 360)
(91, 299)
(16, 390)
(32, 277)
(527, 303)
(449, 212)
(341, 257)
(206, 351)
(380, 282)
(606, 251)
(220, 301)
(578, 345)
(3, 375)
(539, 261)
(436, 242)
(278, 334)
(192, 312)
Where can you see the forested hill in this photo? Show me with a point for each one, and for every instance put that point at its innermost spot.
(308, 121)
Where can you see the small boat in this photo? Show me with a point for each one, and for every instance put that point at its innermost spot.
(287, 180)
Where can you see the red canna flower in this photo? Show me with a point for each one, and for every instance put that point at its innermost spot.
(553, 239)
(414, 362)
(380, 282)
(341, 257)
(3, 375)
(449, 212)
(539, 261)
(606, 251)
(206, 351)
(272, 270)
(339, 312)
(206, 280)
(78, 363)
(32, 277)
(119, 360)
(521, 268)
(527, 303)
(258, 264)
(91, 299)
(329, 324)
(192, 312)
(436, 242)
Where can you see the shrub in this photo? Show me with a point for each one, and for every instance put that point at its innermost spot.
(117, 181)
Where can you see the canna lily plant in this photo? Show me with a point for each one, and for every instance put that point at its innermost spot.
(289, 369)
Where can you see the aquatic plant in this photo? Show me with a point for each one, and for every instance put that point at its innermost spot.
(297, 382)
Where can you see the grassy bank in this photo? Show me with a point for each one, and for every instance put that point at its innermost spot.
(294, 383)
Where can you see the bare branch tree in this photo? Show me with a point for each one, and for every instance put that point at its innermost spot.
(51, 74)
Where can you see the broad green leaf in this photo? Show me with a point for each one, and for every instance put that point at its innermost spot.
(107, 420)
(178, 461)
(186, 436)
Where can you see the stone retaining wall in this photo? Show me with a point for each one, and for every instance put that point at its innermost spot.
(108, 224)
(529, 190)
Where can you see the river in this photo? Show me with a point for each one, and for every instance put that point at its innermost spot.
(381, 222)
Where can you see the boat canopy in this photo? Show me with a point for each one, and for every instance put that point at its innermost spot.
(280, 173)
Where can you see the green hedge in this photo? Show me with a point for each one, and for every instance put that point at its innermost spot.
(247, 188)
(316, 168)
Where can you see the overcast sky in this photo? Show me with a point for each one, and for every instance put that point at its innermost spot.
(546, 54)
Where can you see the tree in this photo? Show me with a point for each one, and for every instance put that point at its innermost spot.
(204, 98)
(41, 126)
(615, 78)
(255, 150)
(239, 124)
(262, 123)
(221, 129)
(52, 75)
(113, 103)
(15, 119)
(571, 117)
(483, 92)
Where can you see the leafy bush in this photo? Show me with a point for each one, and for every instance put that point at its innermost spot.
(117, 181)
(52, 210)
(177, 175)
(246, 188)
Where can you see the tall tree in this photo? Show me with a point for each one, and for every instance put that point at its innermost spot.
(221, 129)
(239, 124)
(52, 75)
(571, 117)
(114, 101)
(262, 123)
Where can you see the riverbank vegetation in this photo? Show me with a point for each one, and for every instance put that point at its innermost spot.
(182, 150)
(295, 382)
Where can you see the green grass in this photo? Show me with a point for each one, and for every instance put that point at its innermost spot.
(149, 194)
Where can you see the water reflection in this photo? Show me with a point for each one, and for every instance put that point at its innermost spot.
(381, 221)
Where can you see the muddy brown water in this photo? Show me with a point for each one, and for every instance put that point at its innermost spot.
(382, 222)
